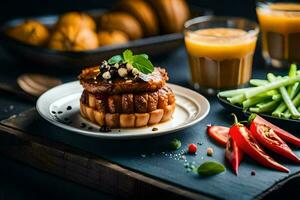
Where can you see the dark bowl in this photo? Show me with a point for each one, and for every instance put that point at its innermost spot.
(288, 124)
(66, 60)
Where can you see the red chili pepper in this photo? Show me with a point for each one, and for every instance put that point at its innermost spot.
(218, 133)
(284, 135)
(268, 138)
(233, 154)
(244, 139)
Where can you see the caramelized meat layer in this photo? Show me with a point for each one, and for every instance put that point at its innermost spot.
(93, 82)
(129, 103)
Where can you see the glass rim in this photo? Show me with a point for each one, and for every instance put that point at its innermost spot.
(265, 5)
(251, 33)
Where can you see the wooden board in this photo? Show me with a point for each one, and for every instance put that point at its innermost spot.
(84, 168)
(110, 173)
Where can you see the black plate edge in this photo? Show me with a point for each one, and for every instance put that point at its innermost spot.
(285, 123)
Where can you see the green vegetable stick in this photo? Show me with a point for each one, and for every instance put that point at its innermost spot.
(282, 106)
(231, 93)
(274, 85)
(296, 101)
(254, 100)
(276, 97)
(285, 97)
(238, 99)
(267, 107)
(258, 82)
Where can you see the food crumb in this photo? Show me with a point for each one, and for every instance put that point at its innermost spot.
(155, 129)
(210, 151)
(253, 172)
(104, 129)
(82, 125)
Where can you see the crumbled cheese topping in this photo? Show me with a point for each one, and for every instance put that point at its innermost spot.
(129, 66)
(135, 71)
(106, 75)
(116, 65)
(122, 72)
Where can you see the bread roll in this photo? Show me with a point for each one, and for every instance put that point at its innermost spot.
(112, 38)
(30, 32)
(123, 22)
(77, 19)
(171, 14)
(70, 38)
(143, 12)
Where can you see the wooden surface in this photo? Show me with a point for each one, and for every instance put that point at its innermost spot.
(40, 151)
(31, 140)
(84, 168)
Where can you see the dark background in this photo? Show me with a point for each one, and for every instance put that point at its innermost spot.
(12, 8)
(18, 181)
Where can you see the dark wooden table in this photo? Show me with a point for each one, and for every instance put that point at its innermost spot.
(138, 169)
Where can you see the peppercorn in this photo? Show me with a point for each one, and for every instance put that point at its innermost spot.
(210, 151)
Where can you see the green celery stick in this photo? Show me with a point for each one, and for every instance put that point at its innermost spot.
(238, 99)
(285, 96)
(267, 107)
(231, 93)
(282, 106)
(254, 100)
(258, 82)
(274, 85)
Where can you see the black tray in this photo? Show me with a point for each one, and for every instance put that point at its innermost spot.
(289, 124)
(66, 60)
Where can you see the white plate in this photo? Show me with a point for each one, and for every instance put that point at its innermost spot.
(191, 108)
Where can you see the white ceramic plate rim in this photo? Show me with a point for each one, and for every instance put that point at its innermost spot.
(43, 102)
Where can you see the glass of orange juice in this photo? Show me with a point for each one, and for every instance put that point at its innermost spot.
(220, 51)
(280, 26)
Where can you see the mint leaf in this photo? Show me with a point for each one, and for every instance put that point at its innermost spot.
(210, 168)
(115, 59)
(142, 64)
(144, 55)
(128, 56)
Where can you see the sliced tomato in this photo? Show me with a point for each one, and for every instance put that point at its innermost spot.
(218, 133)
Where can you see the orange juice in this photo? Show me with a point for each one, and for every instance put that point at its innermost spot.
(220, 57)
(280, 25)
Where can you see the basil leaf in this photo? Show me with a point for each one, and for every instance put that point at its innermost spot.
(210, 168)
(115, 59)
(142, 64)
(144, 55)
(128, 56)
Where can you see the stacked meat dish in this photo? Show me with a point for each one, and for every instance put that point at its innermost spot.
(118, 95)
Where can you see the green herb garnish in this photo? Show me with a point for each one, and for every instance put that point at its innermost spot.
(141, 61)
(210, 168)
(175, 144)
(115, 59)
